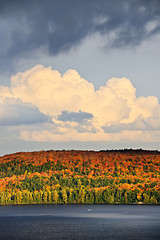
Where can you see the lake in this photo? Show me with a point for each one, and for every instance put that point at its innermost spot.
(128, 222)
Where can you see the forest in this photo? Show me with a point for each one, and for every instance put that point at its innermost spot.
(80, 177)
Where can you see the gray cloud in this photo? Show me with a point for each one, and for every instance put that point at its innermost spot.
(83, 129)
(152, 123)
(14, 113)
(79, 117)
(60, 25)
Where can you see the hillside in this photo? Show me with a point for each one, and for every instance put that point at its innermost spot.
(51, 177)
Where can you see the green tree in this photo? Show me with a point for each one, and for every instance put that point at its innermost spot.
(64, 195)
(153, 200)
(146, 198)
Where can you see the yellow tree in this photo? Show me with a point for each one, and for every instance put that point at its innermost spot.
(64, 195)
(55, 197)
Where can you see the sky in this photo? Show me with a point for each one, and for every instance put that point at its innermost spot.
(79, 74)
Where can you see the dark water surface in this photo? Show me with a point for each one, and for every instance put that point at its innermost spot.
(87, 222)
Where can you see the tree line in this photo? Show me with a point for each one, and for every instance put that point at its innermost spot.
(79, 177)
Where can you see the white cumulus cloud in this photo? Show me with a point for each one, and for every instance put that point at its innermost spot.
(78, 111)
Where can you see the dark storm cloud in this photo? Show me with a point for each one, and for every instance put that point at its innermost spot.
(60, 25)
(74, 116)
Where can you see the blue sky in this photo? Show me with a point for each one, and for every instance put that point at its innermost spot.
(79, 75)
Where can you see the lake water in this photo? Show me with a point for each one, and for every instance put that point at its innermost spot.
(50, 222)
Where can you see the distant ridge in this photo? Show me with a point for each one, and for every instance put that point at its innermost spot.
(125, 150)
(124, 176)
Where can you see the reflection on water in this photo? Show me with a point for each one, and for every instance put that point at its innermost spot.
(80, 222)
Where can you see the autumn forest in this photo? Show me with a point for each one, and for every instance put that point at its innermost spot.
(79, 177)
